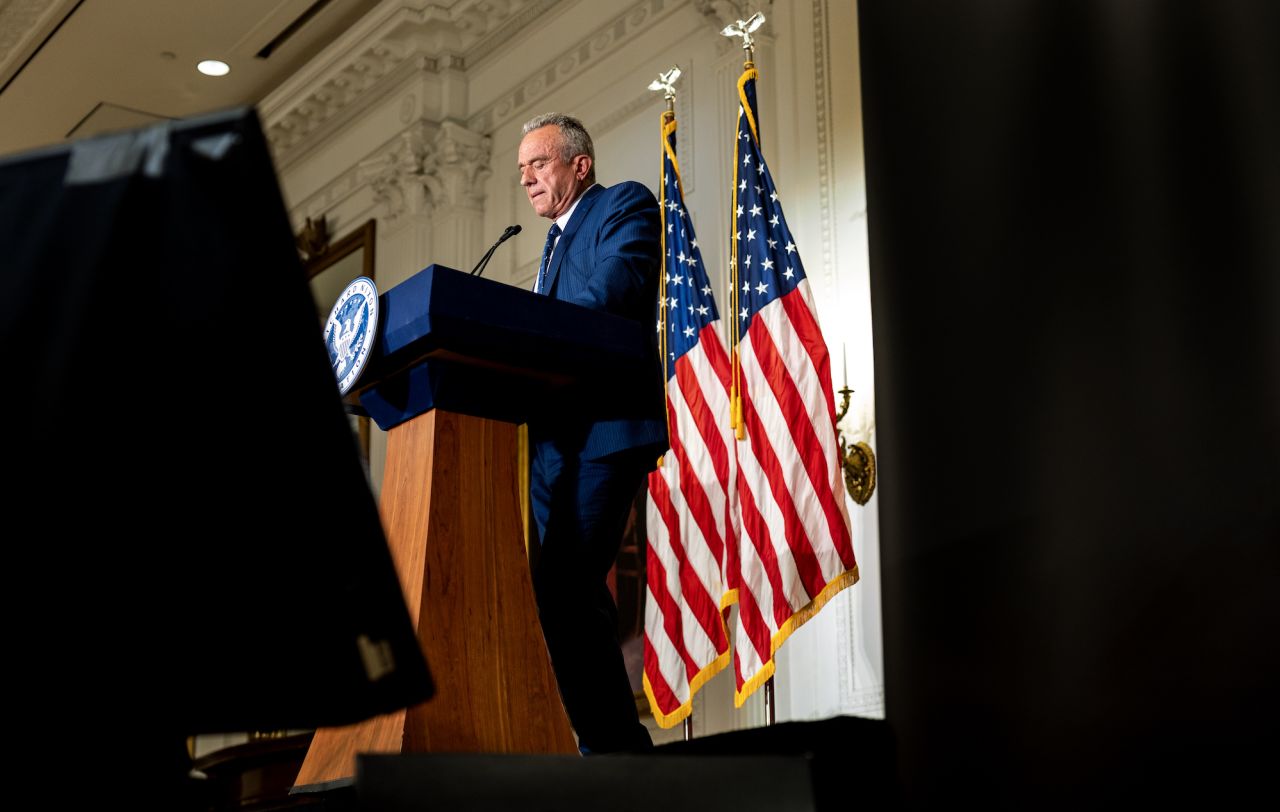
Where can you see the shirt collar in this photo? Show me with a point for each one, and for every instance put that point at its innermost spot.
(563, 220)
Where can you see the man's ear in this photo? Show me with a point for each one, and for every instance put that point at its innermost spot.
(582, 166)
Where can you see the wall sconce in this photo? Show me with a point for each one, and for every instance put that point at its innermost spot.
(857, 459)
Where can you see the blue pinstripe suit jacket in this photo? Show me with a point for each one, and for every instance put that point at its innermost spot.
(609, 258)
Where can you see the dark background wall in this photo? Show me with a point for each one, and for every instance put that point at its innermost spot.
(1074, 215)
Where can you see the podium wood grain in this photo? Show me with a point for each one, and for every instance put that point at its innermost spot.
(452, 516)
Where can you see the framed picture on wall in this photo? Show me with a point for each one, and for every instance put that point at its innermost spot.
(330, 268)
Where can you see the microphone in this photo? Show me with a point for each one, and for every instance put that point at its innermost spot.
(506, 235)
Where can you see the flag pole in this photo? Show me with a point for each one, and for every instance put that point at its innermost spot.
(662, 293)
(744, 28)
(666, 83)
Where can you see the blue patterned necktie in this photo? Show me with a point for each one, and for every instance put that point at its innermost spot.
(552, 233)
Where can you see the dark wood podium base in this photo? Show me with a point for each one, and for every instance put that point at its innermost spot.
(451, 512)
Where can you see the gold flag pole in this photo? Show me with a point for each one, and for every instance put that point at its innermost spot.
(741, 28)
(744, 28)
(665, 84)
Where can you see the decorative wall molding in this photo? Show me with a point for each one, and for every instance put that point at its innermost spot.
(826, 159)
(461, 167)
(402, 178)
(504, 25)
(720, 13)
(427, 168)
(868, 703)
(423, 168)
(346, 95)
(327, 198)
(388, 45)
(603, 41)
(846, 633)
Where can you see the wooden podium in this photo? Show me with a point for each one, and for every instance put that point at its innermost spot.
(461, 361)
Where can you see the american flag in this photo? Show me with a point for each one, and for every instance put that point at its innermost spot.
(689, 522)
(796, 547)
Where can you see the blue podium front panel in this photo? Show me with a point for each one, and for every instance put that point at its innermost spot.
(471, 345)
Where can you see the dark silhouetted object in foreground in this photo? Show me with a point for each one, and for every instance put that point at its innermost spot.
(1073, 213)
(192, 545)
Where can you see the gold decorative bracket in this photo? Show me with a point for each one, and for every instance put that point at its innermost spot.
(313, 239)
(857, 460)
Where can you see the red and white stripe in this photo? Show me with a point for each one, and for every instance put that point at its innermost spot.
(796, 545)
(690, 525)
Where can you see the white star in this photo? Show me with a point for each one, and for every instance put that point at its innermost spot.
(671, 205)
(679, 280)
(768, 265)
(739, 211)
(746, 287)
(759, 190)
(668, 279)
(791, 247)
(743, 314)
(694, 244)
(774, 195)
(702, 310)
(790, 272)
(773, 244)
(743, 186)
(751, 234)
(706, 290)
(746, 159)
(664, 177)
(670, 226)
(761, 288)
(760, 168)
(672, 302)
(747, 262)
(755, 210)
(774, 221)
(659, 327)
(680, 259)
(688, 332)
(693, 262)
(690, 309)
(673, 356)
(737, 235)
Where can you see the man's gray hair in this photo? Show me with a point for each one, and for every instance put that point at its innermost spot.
(577, 141)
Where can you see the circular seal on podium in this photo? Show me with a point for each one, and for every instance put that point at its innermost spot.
(351, 331)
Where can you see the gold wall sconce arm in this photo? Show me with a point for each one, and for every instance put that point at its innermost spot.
(857, 460)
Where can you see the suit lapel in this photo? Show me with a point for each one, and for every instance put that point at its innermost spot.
(580, 214)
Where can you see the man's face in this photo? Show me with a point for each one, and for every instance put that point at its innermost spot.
(551, 184)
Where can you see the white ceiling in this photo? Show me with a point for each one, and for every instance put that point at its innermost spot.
(73, 68)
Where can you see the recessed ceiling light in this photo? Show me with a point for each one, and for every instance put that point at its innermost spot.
(212, 67)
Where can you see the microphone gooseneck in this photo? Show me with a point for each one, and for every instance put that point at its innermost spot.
(510, 232)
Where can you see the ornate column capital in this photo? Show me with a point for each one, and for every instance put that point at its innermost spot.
(401, 177)
(460, 166)
(429, 168)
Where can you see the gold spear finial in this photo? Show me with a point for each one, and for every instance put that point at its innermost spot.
(745, 28)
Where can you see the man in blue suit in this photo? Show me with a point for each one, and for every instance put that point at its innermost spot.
(590, 455)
